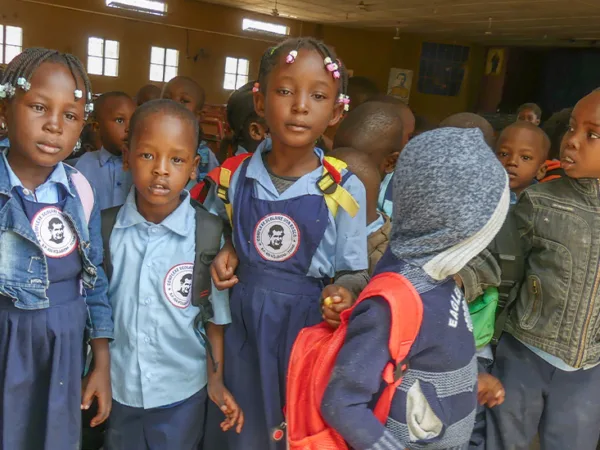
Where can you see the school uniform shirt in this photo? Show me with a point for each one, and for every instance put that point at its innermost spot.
(4, 143)
(157, 357)
(105, 173)
(344, 243)
(240, 151)
(385, 202)
(208, 161)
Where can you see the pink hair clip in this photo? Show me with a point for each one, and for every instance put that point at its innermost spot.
(291, 57)
(256, 88)
(345, 100)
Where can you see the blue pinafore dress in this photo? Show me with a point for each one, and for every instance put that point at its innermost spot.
(41, 350)
(274, 299)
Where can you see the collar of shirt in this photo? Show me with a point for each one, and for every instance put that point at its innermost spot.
(105, 156)
(240, 151)
(5, 142)
(181, 221)
(375, 225)
(57, 177)
(306, 185)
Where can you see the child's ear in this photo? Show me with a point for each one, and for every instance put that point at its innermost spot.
(541, 173)
(259, 104)
(390, 162)
(194, 174)
(338, 113)
(257, 131)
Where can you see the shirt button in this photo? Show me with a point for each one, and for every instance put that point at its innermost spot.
(26, 191)
(146, 339)
(148, 264)
(147, 302)
(119, 183)
(148, 375)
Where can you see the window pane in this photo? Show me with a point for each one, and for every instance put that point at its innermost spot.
(242, 67)
(229, 82)
(156, 72)
(10, 52)
(157, 55)
(14, 36)
(242, 80)
(111, 67)
(151, 6)
(94, 65)
(170, 73)
(256, 25)
(1, 34)
(231, 65)
(172, 57)
(111, 49)
(95, 47)
(2, 54)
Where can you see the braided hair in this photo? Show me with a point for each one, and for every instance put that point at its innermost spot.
(24, 65)
(273, 55)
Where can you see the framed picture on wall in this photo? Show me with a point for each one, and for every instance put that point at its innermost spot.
(494, 61)
(399, 84)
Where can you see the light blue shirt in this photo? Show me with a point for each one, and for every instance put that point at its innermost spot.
(47, 192)
(555, 360)
(375, 225)
(157, 357)
(4, 142)
(385, 206)
(344, 244)
(105, 173)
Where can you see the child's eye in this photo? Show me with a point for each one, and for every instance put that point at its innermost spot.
(120, 120)
(284, 91)
(502, 154)
(319, 96)
(37, 108)
(146, 156)
(184, 101)
(594, 136)
(526, 158)
(70, 116)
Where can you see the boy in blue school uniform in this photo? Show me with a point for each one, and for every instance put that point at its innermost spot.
(159, 363)
(191, 95)
(104, 168)
(443, 217)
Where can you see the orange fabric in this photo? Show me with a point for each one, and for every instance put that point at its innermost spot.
(315, 352)
(551, 165)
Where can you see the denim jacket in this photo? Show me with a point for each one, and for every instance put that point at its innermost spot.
(558, 308)
(23, 268)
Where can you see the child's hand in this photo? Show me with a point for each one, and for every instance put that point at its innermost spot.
(334, 300)
(490, 391)
(97, 384)
(219, 394)
(222, 269)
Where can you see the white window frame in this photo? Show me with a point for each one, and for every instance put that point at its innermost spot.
(102, 56)
(259, 26)
(240, 76)
(143, 6)
(163, 64)
(4, 29)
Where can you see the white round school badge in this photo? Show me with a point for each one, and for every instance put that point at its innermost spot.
(178, 285)
(276, 237)
(55, 235)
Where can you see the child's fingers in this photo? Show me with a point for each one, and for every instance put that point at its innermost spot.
(103, 412)
(87, 397)
(240, 421)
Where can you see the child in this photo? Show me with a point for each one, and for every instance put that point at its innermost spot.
(378, 225)
(52, 285)
(530, 112)
(522, 149)
(556, 127)
(291, 236)
(360, 89)
(547, 359)
(190, 94)
(470, 120)
(147, 93)
(443, 217)
(248, 128)
(159, 364)
(104, 168)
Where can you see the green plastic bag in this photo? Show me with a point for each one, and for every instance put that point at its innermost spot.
(483, 316)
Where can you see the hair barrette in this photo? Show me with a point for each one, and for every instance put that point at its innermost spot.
(78, 94)
(345, 100)
(89, 108)
(23, 84)
(256, 88)
(291, 57)
(7, 90)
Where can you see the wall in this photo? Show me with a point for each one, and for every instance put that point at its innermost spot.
(191, 26)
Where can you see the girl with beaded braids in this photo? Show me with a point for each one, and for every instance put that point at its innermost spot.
(52, 285)
(296, 225)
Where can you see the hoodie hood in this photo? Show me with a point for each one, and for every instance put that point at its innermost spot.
(451, 197)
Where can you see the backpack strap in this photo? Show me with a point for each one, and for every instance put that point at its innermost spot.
(85, 192)
(330, 185)
(406, 310)
(108, 218)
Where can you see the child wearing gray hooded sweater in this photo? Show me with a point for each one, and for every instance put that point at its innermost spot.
(446, 211)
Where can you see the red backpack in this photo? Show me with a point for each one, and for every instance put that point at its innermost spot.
(315, 352)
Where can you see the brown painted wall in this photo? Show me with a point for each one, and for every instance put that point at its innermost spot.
(66, 25)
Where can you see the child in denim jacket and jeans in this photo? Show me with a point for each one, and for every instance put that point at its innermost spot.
(548, 359)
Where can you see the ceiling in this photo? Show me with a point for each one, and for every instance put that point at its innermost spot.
(516, 22)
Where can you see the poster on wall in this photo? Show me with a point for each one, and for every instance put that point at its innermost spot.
(494, 61)
(399, 84)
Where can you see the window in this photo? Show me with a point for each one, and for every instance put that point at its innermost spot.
(236, 73)
(11, 43)
(265, 27)
(145, 6)
(163, 64)
(442, 68)
(103, 57)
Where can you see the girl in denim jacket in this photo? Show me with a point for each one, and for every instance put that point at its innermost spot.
(52, 287)
(548, 358)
